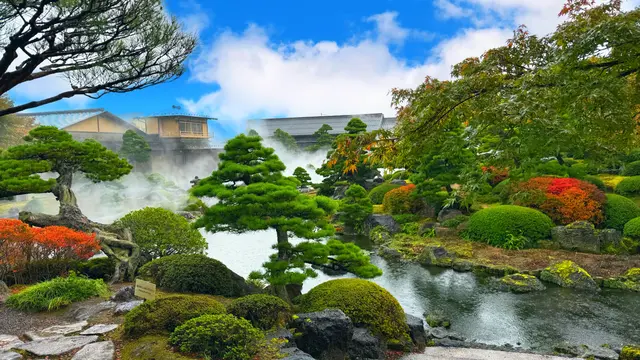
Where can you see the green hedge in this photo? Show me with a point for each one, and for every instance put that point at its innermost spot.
(195, 274)
(629, 186)
(166, 313)
(632, 169)
(366, 303)
(497, 224)
(263, 311)
(618, 211)
(595, 181)
(632, 228)
(377, 193)
(57, 293)
(218, 337)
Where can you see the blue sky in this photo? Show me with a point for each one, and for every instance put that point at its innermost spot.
(295, 58)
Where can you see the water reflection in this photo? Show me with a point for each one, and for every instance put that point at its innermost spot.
(537, 320)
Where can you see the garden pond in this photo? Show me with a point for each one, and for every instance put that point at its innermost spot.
(537, 320)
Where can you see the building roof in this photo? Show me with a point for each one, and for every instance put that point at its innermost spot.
(300, 126)
(173, 115)
(64, 119)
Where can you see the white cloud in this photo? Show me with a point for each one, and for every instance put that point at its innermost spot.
(195, 19)
(389, 30)
(450, 10)
(257, 77)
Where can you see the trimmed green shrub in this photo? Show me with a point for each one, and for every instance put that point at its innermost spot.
(98, 268)
(218, 337)
(263, 311)
(632, 169)
(355, 207)
(377, 193)
(406, 218)
(552, 168)
(57, 293)
(595, 181)
(366, 303)
(196, 274)
(629, 186)
(453, 223)
(618, 211)
(166, 313)
(494, 225)
(401, 200)
(632, 228)
(160, 232)
(578, 170)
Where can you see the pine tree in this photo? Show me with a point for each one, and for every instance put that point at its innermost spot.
(355, 207)
(355, 126)
(323, 138)
(286, 140)
(135, 148)
(303, 176)
(254, 195)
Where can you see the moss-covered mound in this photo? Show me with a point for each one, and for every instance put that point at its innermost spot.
(632, 228)
(165, 314)
(629, 186)
(497, 225)
(630, 352)
(366, 303)
(196, 274)
(520, 283)
(377, 193)
(263, 311)
(152, 347)
(618, 211)
(629, 281)
(569, 274)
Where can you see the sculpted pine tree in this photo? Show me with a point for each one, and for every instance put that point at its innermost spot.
(302, 175)
(135, 148)
(254, 195)
(48, 149)
(323, 138)
(286, 140)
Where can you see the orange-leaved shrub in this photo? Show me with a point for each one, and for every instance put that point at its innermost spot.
(564, 200)
(400, 200)
(22, 245)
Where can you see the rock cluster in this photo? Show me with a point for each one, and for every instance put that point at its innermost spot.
(569, 274)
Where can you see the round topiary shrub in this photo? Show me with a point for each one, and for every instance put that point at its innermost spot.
(400, 200)
(377, 193)
(160, 232)
(264, 311)
(218, 337)
(595, 181)
(166, 313)
(496, 225)
(629, 186)
(632, 228)
(618, 211)
(366, 303)
(195, 274)
(632, 169)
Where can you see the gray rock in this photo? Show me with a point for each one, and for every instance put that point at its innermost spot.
(586, 352)
(462, 265)
(125, 307)
(9, 355)
(282, 334)
(609, 237)
(295, 354)
(389, 253)
(325, 335)
(340, 192)
(100, 329)
(416, 331)
(103, 350)
(57, 345)
(438, 333)
(4, 292)
(378, 179)
(365, 346)
(436, 256)
(8, 342)
(386, 221)
(83, 312)
(56, 330)
(568, 274)
(448, 213)
(578, 236)
(124, 294)
(398, 182)
(519, 283)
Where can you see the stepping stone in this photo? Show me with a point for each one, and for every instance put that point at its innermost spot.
(56, 330)
(99, 329)
(8, 342)
(84, 312)
(125, 307)
(9, 355)
(57, 345)
(103, 350)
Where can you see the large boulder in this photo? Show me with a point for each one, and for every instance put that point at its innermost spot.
(578, 236)
(366, 346)
(416, 331)
(386, 221)
(325, 335)
(448, 213)
(569, 274)
(124, 294)
(520, 283)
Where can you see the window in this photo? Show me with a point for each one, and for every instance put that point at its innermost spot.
(191, 128)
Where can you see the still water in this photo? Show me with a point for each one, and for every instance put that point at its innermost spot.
(537, 320)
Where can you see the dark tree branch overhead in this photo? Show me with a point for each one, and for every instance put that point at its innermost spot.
(99, 46)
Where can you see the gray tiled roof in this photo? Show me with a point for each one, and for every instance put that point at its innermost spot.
(298, 126)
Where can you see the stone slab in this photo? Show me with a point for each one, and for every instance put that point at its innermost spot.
(125, 307)
(8, 342)
(9, 355)
(103, 350)
(100, 329)
(56, 330)
(476, 354)
(57, 345)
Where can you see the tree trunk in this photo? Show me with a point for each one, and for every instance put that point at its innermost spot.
(115, 242)
(283, 240)
(560, 159)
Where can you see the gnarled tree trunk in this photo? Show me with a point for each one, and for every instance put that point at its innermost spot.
(115, 242)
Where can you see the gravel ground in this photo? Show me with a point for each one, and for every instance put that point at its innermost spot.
(14, 322)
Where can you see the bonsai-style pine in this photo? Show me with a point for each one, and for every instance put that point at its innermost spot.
(323, 138)
(355, 207)
(286, 140)
(135, 148)
(254, 195)
(49, 149)
(355, 126)
(302, 175)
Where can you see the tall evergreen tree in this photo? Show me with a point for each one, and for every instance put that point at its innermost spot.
(286, 140)
(355, 207)
(323, 138)
(254, 195)
(135, 148)
(302, 175)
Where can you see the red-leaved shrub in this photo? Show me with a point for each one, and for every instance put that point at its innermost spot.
(564, 200)
(400, 200)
